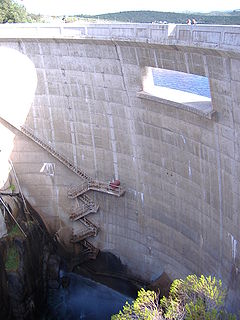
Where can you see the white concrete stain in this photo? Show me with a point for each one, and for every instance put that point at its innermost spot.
(113, 143)
(155, 59)
(48, 169)
(91, 129)
(142, 197)
(56, 188)
(72, 131)
(128, 108)
(201, 241)
(112, 137)
(34, 118)
(136, 55)
(220, 196)
(73, 142)
(163, 162)
(183, 138)
(234, 247)
(48, 99)
(189, 169)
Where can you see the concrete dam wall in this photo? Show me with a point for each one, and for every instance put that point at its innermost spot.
(179, 163)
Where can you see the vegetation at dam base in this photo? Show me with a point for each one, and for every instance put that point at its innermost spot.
(192, 299)
(27, 256)
(12, 261)
(12, 257)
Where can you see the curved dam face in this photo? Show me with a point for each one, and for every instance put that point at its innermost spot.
(180, 166)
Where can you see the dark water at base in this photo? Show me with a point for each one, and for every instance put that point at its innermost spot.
(83, 299)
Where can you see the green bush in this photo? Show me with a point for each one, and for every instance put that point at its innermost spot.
(12, 260)
(146, 306)
(15, 232)
(12, 187)
(194, 298)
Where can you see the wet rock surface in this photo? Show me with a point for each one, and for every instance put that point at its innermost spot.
(24, 281)
(109, 270)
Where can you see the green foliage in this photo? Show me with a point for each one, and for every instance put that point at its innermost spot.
(12, 260)
(171, 17)
(12, 187)
(10, 11)
(194, 298)
(146, 306)
(15, 232)
(197, 311)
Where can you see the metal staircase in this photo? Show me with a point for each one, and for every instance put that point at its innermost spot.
(79, 190)
(89, 232)
(91, 251)
(80, 213)
(88, 204)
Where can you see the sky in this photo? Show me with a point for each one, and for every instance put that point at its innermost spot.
(94, 7)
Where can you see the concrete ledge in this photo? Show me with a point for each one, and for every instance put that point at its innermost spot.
(200, 108)
(226, 38)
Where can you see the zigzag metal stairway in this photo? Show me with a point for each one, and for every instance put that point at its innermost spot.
(88, 205)
(79, 214)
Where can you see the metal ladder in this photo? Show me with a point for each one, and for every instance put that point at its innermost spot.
(80, 213)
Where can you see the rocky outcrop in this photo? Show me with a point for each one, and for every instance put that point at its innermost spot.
(28, 265)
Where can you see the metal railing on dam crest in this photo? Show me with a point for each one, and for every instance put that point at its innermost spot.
(203, 36)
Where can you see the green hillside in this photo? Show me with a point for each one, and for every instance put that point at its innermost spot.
(232, 17)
